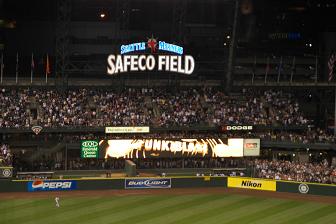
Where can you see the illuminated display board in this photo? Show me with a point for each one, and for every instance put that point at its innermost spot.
(139, 129)
(146, 148)
(175, 61)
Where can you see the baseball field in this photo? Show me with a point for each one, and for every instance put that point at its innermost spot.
(165, 206)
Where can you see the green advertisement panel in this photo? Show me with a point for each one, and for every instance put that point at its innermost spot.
(89, 149)
(306, 188)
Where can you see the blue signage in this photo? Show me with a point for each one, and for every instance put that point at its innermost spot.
(51, 185)
(147, 183)
(132, 47)
(151, 44)
(170, 47)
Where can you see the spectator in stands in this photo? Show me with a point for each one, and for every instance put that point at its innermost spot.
(6, 157)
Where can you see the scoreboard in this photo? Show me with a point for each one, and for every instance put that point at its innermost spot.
(203, 147)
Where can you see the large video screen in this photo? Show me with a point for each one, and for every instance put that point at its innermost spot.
(149, 148)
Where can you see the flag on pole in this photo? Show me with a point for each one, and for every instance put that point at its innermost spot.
(2, 67)
(331, 65)
(32, 67)
(47, 69)
(17, 68)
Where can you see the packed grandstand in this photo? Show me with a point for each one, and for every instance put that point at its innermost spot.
(23, 108)
(157, 107)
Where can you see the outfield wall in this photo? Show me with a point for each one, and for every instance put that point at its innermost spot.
(117, 183)
(306, 188)
(174, 182)
(281, 186)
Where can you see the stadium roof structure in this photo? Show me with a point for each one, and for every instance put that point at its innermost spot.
(204, 27)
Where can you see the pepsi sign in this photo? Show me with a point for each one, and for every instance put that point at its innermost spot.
(51, 185)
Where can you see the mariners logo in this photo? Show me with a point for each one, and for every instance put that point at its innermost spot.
(303, 188)
(7, 173)
(152, 44)
(37, 129)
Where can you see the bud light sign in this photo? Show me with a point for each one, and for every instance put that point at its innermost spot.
(51, 185)
(148, 183)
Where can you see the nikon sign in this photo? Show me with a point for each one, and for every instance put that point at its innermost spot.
(250, 183)
(89, 149)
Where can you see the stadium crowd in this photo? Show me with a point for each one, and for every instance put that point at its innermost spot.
(309, 136)
(255, 107)
(87, 107)
(295, 171)
(164, 108)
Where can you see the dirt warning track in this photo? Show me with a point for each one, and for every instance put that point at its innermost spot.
(173, 191)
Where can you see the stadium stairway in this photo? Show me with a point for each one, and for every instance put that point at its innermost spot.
(148, 105)
(207, 109)
(33, 110)
(155, 110)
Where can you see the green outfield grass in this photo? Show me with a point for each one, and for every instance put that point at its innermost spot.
(158, 209)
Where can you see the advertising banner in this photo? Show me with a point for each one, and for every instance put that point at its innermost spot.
(112, 130)
(249, 183)
(51, 185)
(251, 147)
(149, 148)
(226, 128)
(89, 149)
(147, 183)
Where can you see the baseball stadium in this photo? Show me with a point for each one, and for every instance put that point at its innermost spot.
(167, 111)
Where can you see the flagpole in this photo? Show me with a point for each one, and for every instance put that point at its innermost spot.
(254, 68)
(2, 65)
(316, 64)
(31, 69)
(267, 68)
(293, 67)
(279, 72)
(46, 72)
(17, 68)
(331, 64)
